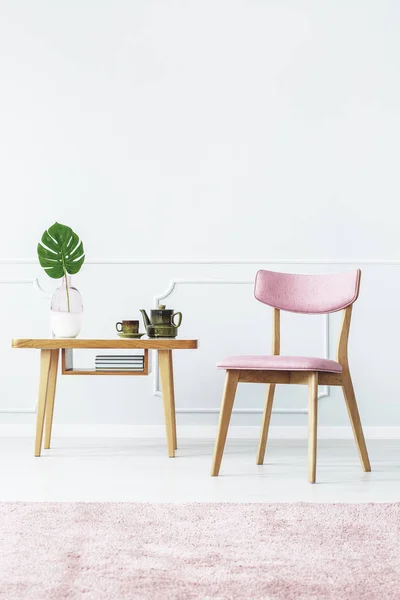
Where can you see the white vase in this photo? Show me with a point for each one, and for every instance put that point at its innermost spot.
(65, 324)
(66, 311)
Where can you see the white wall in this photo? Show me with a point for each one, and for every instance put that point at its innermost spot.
(203, 131)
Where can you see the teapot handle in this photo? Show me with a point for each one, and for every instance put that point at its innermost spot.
(179, 315)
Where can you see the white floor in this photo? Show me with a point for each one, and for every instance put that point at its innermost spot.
(126, 470)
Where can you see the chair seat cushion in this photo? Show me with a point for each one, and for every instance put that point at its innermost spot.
(280, 363)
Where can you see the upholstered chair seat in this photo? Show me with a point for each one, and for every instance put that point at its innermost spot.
(254, 362)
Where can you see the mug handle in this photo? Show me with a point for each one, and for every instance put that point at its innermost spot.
(179, 315)
(116, 327)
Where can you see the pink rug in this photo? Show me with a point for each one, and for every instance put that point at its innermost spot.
(203, 551)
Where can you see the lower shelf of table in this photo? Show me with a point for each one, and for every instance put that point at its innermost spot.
(96, 372)
(67, 367)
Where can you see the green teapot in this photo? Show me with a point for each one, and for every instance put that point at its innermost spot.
(162, 322)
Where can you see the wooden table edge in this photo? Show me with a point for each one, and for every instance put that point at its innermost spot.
(76, 343)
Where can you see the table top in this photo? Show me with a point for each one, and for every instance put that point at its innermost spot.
(146, 343)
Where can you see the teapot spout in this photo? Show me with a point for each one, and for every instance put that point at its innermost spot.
(146, 319)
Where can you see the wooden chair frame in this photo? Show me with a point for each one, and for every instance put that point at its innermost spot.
(310, 378)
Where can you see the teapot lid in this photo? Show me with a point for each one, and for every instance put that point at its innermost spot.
(163, 307)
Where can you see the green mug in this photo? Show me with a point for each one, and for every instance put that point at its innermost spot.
(127, 326)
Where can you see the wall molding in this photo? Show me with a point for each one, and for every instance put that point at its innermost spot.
(291, 411)
(198, 432)
(32, 281)
(173, 283)
(38, 288)
(217, 261)
(242, 411)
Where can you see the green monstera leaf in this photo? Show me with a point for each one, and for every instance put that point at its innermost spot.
(60, 251)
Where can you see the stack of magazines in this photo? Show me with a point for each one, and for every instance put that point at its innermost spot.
(119, 362)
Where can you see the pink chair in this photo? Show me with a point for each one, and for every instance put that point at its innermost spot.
(308, 294)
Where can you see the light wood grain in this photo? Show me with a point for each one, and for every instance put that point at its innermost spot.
(45, 361)
(276, 331)
(262, 444)
(90, 372)
(352, 409)
(348, 390)
(343, 343)
(146, 365)
(276, 348)
(231, 381)
(150, 344)
(51, 392)
(50, 347)
(167, 386)
(173, 410)
(312, 426)
(288, 377)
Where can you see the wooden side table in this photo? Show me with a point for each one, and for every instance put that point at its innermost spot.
(49, 358)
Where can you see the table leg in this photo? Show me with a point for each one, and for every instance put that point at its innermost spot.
(167, 385)
(171, 379)
(45, 361)
(51, 392)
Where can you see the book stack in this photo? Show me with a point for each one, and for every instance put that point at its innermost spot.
(119, 362)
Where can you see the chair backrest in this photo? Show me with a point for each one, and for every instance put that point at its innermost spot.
(309, 294)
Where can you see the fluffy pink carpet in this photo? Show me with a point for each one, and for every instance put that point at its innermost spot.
(185, 551)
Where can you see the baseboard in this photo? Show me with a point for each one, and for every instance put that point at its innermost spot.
(195, 431)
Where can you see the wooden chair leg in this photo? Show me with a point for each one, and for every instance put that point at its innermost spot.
(231, 381)
(45, 361)
(350, 398)
(312, 426)
(265, 423)
(164, 363)
(51, 392)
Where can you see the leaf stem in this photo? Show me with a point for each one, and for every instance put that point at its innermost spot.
(66, 287)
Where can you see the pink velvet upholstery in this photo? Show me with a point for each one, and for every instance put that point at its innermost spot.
(310, 294)
(279, 363)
